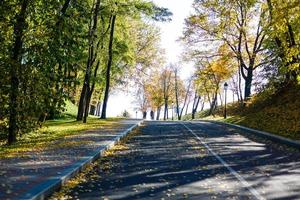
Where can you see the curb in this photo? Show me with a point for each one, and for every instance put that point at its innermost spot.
(45, 189)
(267, 135)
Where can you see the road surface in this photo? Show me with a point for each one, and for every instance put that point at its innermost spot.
(199, 160)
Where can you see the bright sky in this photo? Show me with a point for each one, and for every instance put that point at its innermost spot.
(170, 32)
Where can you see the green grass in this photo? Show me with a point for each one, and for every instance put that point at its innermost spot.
(70, 111)
(53, 130)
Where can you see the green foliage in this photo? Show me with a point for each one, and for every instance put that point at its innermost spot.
(45, 46)
(284, 36)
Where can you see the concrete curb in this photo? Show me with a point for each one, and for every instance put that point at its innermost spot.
(45, 189)
(270, 136)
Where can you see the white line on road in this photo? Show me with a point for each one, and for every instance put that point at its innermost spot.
(230, 169)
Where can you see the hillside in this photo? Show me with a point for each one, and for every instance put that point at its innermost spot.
(277, 112)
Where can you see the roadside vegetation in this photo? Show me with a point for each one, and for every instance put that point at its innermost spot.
(55, 52)
(253, 47)
(52, 131)
(274, 111)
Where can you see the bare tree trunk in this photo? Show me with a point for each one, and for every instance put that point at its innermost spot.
(195, 104)
(248, 83)
(176, 96)
(213, 104)
(90, 93)
(108, 68)
(144, 114)
(239, 93)
(85, 92)
(166, 110)
(185, 101)
(187, 107)
(158, 113)
(15, 65)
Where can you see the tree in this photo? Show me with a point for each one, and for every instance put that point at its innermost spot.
(282, 24)
(16, 60)
(231, 23)
(136, 9)
(180, 93)
(39, 61)
(166, 83)
(108, 68)
(92, 55)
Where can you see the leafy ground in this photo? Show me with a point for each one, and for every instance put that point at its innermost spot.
(52, 130)
(91, 172)
(273, 111)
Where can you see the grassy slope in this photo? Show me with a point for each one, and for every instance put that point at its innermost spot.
(53, 130)
(275, 112)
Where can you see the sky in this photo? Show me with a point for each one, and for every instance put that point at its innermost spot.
(170, 32)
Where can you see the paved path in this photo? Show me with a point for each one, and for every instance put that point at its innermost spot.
(24, 178)
(196, 161)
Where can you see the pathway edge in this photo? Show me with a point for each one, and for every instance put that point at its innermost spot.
(264, 134)
(51, 186)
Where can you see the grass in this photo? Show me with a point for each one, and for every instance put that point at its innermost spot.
(70, 111)
(274, 111)
(53, 130)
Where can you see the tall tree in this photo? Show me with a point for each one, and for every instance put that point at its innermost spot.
(108, 68)
(231, 23)
(283, 37)
(92, 54)
(16, 62)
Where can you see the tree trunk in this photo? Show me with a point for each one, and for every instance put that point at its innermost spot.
(87, 106)
(108, 68)
(144, 114)
(152, 114)
(89, 94)
(91, 58)
(176, 97)
(14, 80)
(187, 107)
(185, 101)
(213, 104)
(81, 103)
(195, 105)
(248, 84)
(158, 113)
(239, 93)
(166, 109)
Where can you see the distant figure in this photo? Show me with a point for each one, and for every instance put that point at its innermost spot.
(152, 115)
(144, 114)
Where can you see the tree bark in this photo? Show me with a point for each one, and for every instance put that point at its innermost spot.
(176, 96)
(91, 58)
(195, 105)
(248, 83)
(89, 94)
(185, 101)
(144, 114)
(158, 113)
(14, 79)
(213, 104)
(108, 68)
(166, 109)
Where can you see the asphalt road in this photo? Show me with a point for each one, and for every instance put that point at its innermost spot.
(195, 161)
